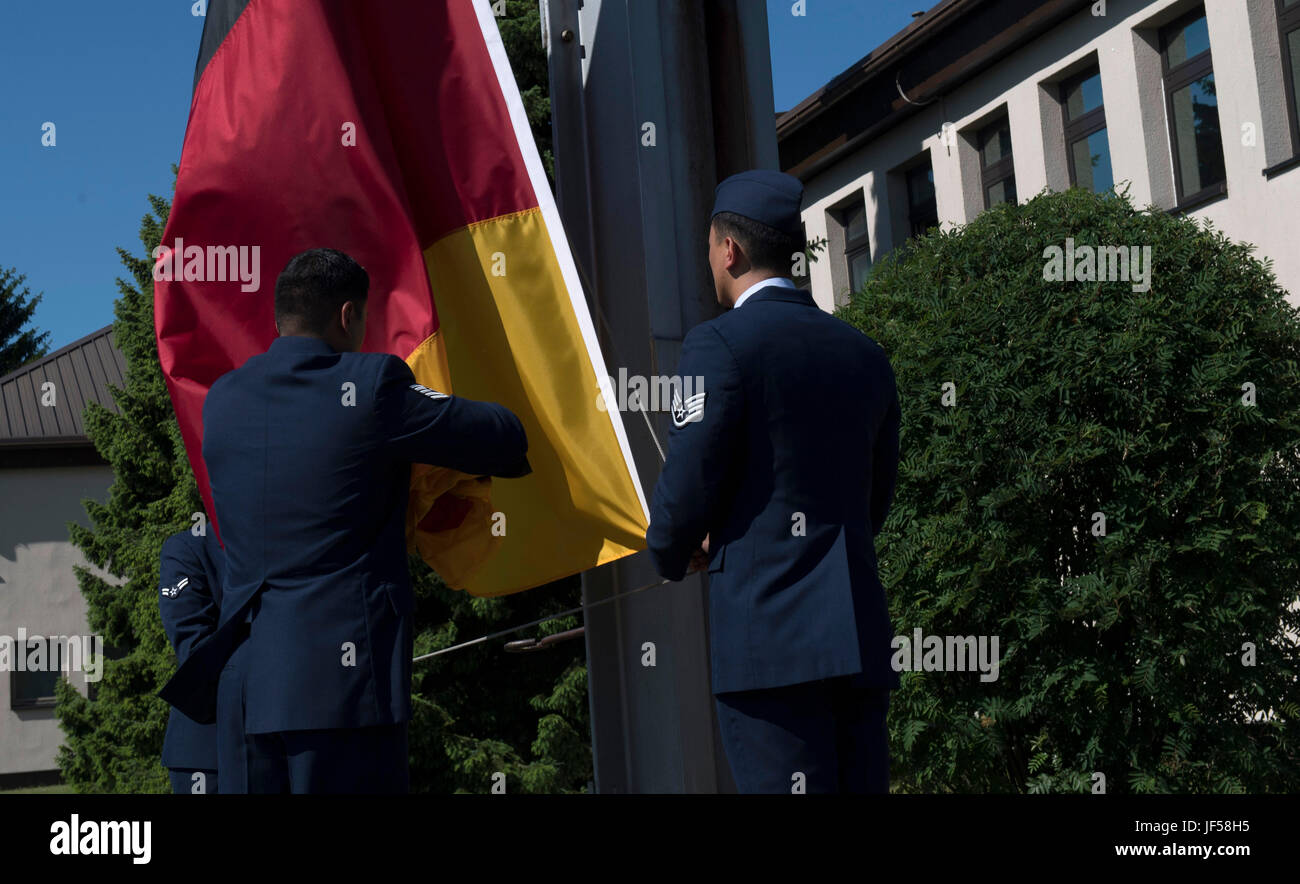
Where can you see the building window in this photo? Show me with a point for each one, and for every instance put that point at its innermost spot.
(28, 689)
(1087, 146)
(857, 244)
(1192, 108)
(997, 169)
(1288, 23)
(922, 210)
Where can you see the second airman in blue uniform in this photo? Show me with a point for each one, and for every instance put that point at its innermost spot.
(189, 600)
(783, 468)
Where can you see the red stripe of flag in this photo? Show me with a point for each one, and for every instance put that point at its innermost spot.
(264, 164)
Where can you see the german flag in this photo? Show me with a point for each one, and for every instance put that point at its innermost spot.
(394, 131)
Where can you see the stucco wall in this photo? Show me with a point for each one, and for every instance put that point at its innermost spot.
(38, 590)
(1244, 48)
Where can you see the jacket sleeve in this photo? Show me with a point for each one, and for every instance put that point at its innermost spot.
(424, 426)
(187, 604)
(884, 456)
(697, 479)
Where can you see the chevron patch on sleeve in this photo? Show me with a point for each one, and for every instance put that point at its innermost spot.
(432, 394)
(688, 412)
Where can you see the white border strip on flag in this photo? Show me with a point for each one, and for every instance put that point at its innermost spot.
(551, 218)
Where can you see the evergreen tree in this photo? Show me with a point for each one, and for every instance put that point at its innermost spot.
(521, 32)
(114, 740)
(18, 345)
(481, 711)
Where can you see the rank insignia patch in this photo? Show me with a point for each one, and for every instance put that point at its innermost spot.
(172, 591)
(432, 394)
(687, 412)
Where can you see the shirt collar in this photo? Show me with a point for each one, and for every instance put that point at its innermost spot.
(780, 281)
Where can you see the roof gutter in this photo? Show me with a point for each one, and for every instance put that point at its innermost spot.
(1036, 18)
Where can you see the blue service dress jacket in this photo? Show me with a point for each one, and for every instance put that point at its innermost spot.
(788, 464)
(309, 454)
(189, 600)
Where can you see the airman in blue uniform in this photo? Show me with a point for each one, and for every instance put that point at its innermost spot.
(779, 475)
(189, 601)
(309, 449)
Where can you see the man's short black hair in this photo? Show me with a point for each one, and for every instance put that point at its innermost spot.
(313, 287)
(766, 247)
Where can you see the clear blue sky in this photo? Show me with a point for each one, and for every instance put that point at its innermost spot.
(115, 79)
(808, 50)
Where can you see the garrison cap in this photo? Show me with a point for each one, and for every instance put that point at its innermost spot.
(765, 196)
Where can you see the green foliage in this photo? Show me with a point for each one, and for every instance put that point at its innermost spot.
(471, 707)
(814, 248)
(113, 741)
(521, 32)
(18, 345)
(1121, 653)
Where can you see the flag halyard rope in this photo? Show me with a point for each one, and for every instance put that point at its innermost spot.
(486, 638)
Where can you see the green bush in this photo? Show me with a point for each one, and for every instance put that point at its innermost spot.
(1123, 653)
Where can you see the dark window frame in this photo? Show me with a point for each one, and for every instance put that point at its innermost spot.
(1176, 78)
(930, 208)
(1288, 21)
(862, 244)
(1083, 126)
(1002, 169)
(42, 702)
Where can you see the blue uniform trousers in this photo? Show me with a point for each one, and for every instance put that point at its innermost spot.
(362, 760)
(832, 731)
(187, 781)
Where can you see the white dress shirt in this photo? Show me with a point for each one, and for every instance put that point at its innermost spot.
(776, 280)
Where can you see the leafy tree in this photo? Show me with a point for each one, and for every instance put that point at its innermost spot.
(1158, 648)
(18, 346)
(476, 712)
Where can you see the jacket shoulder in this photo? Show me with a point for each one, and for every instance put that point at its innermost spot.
(380, 364)
(238, 379)
(863, 340)
(716, 333)
(183, 545)
(224, 381)
(376, 360)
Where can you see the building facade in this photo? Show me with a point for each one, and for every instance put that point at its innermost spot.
(1192, 105)
(47, 468)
